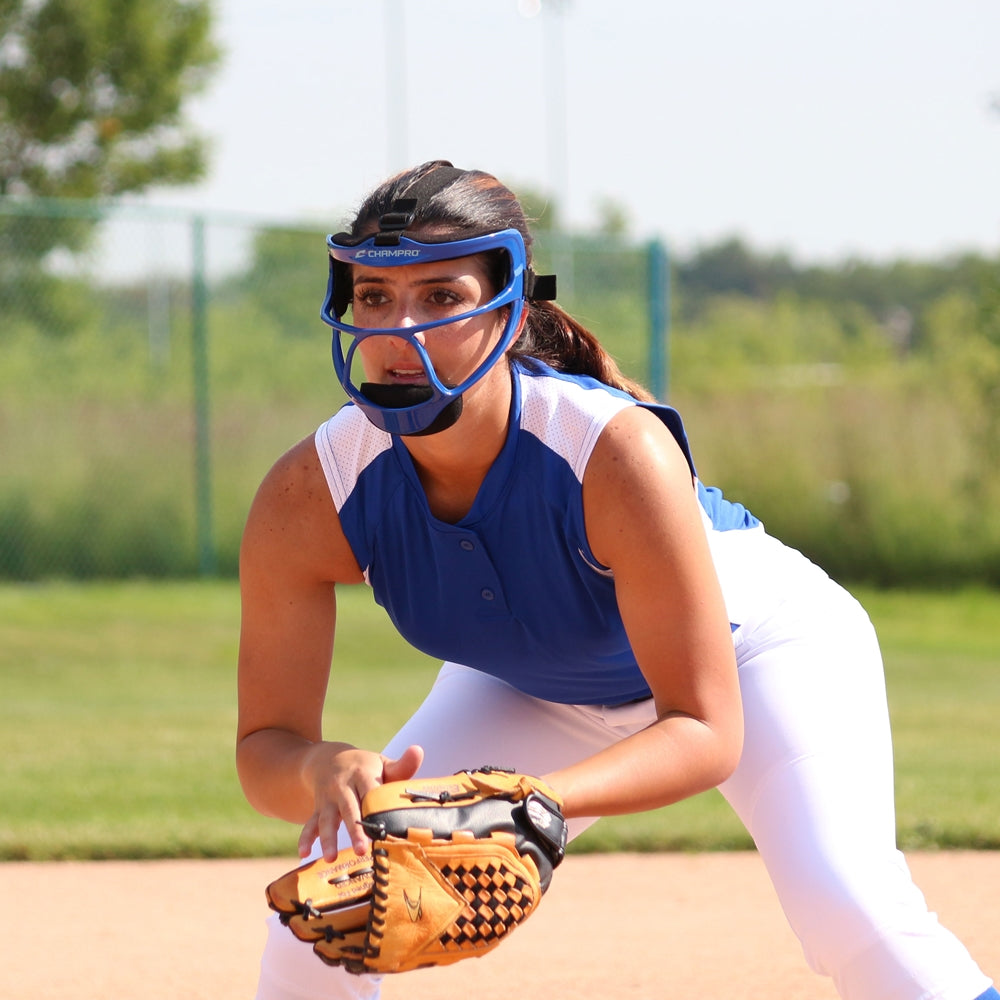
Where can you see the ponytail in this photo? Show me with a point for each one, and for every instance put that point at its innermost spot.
(552, 336)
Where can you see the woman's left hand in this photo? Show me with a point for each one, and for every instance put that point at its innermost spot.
(341, 776)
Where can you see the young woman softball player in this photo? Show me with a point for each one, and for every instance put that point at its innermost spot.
(532, 518)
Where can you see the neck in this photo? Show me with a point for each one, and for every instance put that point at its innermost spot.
(453, 463)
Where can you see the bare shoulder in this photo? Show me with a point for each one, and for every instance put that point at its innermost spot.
(293, 521)
(637, 477)
(634, 447)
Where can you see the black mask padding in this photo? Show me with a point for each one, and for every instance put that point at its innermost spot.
(395, 397)
(343, 291)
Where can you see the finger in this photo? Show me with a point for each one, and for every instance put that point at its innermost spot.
(406, 766)
(359, 838)
(352, 823)
(308, 836)
(328, 830)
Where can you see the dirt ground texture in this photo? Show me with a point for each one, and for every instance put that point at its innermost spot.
(614, 925)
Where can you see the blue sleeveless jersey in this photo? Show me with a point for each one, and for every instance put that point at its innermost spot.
(512, 589)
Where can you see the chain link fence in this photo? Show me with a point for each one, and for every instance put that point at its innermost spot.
(156, 363)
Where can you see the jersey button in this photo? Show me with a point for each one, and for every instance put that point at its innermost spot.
(486, 594)
(467, 545)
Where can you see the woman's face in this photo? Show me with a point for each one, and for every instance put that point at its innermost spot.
(412, 294)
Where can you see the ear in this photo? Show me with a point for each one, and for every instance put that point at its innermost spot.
(522, 321)
(502, 315)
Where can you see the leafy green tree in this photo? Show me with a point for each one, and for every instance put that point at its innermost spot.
(287, 280)
(91, 99)
(91, 93)
(731, 267)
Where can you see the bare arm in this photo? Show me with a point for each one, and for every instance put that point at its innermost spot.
(644, 522)
(292, 556)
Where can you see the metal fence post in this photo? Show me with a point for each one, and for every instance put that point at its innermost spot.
(200, 381)
(659, 319)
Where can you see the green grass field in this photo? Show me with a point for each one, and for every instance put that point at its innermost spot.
(117, 714)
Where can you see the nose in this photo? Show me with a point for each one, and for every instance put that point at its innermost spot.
(405, 323)
(401, 346)
(404, 318)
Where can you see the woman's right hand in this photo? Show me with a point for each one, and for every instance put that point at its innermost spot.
(341, 776)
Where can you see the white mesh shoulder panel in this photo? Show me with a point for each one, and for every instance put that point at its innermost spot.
(347, 444)
(567, 416)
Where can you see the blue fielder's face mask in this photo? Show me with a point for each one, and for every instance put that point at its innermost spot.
(413, 410)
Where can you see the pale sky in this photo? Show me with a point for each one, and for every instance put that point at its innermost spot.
(823, 128)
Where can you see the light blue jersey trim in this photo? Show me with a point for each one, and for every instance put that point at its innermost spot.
(725, 515)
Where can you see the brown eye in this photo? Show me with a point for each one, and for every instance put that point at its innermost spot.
(444, 297)
(370, 298)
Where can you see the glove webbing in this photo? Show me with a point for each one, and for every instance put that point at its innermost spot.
(497, 900)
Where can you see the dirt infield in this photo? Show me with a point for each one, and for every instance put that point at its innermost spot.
(625, 925)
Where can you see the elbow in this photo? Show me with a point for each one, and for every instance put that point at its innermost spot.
(727, 763)
(729, 749)
(244, 774)
(716, 764)
(716, 749)
(251, 775)
(725, 722)
(712, 745)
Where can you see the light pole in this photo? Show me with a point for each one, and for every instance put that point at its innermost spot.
(554, 16)
(554, 13)
(395, 92)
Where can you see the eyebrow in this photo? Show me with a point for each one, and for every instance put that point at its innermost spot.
(379, 279)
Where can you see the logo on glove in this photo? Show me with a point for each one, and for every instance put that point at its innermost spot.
(540, 817)
(414, 910)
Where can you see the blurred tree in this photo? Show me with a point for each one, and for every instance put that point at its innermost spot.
(91, 95)
(895, 293)
(731, 267)
(287, 280)
(612, 218)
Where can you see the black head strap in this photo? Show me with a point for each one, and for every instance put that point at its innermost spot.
(436, 176)
(540, 287)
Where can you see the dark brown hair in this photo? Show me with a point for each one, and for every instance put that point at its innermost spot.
(475, 203)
